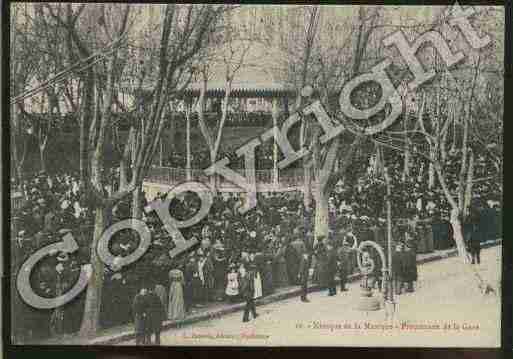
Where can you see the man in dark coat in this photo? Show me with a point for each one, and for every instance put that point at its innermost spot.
(331, 270)
(297, 247)
(155, 315)
(220, 266)
(475, 233)
(397, 268)
(188, 275)
(292, 258)
(247, 290)
(344, 263)
(409, 266)
(139, 311)
(321, 260)
(304, 267)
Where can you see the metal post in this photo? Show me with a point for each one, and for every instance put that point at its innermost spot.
(161, 157)
(390, 285)
(188, 140)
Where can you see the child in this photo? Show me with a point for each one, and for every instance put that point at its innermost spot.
(232, 286)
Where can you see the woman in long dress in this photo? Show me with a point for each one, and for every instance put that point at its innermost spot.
(321, 263)
(257, 277)
(176, 308)
(280, 276)
(258, 285)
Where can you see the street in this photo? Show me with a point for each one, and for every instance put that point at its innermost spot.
(447, 310)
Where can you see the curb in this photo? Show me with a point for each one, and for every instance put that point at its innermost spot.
(263, 301)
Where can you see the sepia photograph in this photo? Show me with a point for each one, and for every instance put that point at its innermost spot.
(254, 175)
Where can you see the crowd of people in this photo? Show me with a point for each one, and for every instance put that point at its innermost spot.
(239, 257)
(264, 159)
(234, 119)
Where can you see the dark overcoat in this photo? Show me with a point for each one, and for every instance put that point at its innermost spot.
(409, 267)
(139, 310)
(331, 268)
(304, 266)
(397, 265)
(155, 312)
(247, 285)
(345, 263)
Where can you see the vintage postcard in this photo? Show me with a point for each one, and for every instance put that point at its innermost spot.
(255, 175)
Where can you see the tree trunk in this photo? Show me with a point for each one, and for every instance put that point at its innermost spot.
(136, 203)
(17, 155)
(85, 115)
(431, 175)
(307, 193)
(443, 148)
(123, 179)
(455, 219)
(42, 157)
(321, 214)
(406, 169)
(213, 179)
(19, 172)
(468, 187)
(457, 231)
(91, 317)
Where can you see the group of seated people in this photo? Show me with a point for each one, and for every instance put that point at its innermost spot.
(201, 159)
(234, 118)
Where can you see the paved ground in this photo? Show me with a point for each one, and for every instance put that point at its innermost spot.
(446, 294)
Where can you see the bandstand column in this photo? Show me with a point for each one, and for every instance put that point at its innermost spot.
(161, 155)
(275, 112)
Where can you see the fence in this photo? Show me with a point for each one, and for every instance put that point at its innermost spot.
(266, 180)
(17, 200)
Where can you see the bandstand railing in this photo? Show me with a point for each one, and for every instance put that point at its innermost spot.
(287, 179)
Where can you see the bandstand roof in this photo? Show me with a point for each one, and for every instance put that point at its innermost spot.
(251, 81)
(259, 75)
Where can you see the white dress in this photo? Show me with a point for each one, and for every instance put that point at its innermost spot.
(258, 286)
(232, 287)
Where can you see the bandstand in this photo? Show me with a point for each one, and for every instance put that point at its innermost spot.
(256, 93)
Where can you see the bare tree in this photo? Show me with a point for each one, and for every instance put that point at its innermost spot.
(325, 176)
(186, 32)
(234, 47)
(23, 64)
(96, 110)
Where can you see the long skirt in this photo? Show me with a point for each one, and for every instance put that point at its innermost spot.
(280, 276)
(198, 292)
(176, 308)
(324, 277)
(267, 279)
(258, 286)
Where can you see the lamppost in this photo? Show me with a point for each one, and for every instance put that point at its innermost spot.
(390, 305)
(367, 302)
